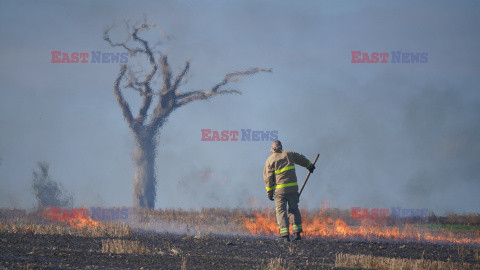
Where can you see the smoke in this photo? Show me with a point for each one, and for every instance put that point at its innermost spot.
(203, 185)
(384, 140)
(444, 130)
(47, 191)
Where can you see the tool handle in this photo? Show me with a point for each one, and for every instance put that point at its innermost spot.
(308, 175)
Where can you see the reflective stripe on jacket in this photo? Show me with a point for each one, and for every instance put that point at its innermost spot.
(279, 173)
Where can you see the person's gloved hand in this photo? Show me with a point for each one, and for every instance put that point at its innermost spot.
(270, 196)
(311, 167)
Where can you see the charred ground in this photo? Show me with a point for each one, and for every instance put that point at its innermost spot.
(170, 251)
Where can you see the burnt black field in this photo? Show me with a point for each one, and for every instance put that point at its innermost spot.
(28, 250)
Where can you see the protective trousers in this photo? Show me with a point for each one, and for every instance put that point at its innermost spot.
(293, 213)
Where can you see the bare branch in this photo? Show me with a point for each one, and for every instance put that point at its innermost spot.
(147, 93)
(182, 99)
(123, 44)
(234, 76)
(147, 100)
(166, 72)
(127, 114)
(180, 76)
(132, 77)
(142, 87)
(136, 88)
(169, 96)
(146, 49)
(201, 95)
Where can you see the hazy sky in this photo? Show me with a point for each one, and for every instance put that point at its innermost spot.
(404, 134)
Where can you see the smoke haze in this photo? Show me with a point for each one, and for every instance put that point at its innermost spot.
(47, 191)
(388, 135)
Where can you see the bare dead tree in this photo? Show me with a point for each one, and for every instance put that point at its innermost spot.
(146, 126)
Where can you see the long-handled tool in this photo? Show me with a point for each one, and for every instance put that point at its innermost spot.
(308, 175)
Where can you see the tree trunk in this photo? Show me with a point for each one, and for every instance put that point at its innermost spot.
(144, 186)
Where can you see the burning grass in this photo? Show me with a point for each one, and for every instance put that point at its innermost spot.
(328, 223)
(322, 224)
(384, 263)
(19, 221)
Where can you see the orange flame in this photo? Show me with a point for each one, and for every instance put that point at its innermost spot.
(75, 218)
(319, 225)
(29, 230)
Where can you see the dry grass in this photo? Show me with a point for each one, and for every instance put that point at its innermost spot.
(279, 264)
(124, 247)
(103, 230)
(184, 263)
(470, 219)
(383, 263)
(202, 223)
(175, 251)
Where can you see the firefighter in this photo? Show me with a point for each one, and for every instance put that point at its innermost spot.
(281, 185)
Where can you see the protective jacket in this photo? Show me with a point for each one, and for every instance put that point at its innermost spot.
(279, 173)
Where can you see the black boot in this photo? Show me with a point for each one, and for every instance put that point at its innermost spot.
(285, 238)
(298, 236)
